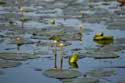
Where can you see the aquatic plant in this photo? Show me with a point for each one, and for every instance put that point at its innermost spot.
(104, 42)
(81, 33)
(73, 65)
(52, 22)
(18, 42)
(61, 54)
(81, 29)
(81, 13)
(55, 37)
(23, 19)
(8, 64)
(13, 56)
(22, 10)
(55, 52)
(61, 74)
(100, 36)
(81, 80)
(101, 73)
(73, 58)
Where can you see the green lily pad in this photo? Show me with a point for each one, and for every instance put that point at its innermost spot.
(24, 19)
(110, 48)
(55, 37)
(61, 73)
(116, 25)
(39, 37)
(101, 73)
(16, 56)
(103, 55)
(23, 41)
(98, 55)
(81, 80)
(73, 36)
(43, 52)
(6, 64)
(9, 15)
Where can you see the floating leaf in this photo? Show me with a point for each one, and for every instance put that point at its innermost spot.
(61, 73)
(81, 80)
(4, 64)
(100, 73)
(99, 55)
(16, 56)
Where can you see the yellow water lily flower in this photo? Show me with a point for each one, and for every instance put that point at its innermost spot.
(73, 58)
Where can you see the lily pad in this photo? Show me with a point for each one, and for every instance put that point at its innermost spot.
(42, 52)
(110, 48)
(16, 56)
(24, 19)
(81, 80)
(6, 64)
(23, 41)
(39, 37)
(116, 25)
(99, 55)
(73, 36)
(101, 73)
(61, 73)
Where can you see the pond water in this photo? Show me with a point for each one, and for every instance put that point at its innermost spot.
(36, 51)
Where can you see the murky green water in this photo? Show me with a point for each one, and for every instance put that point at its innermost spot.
(101, 63)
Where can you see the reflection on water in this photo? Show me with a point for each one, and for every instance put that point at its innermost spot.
(73, 65)
(103, 42)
